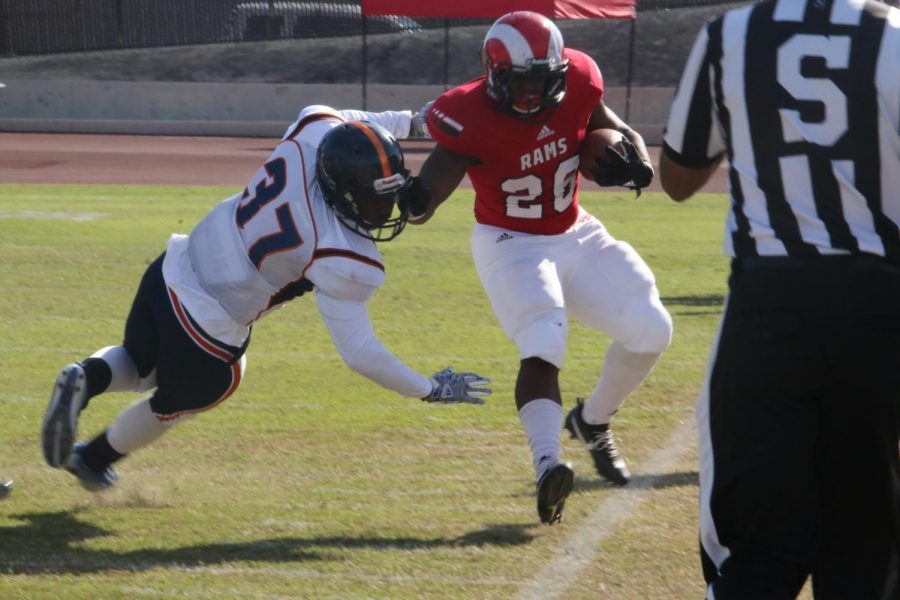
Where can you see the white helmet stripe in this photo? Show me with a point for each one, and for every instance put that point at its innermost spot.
(520, 51)
(518, 47)
(555, 44)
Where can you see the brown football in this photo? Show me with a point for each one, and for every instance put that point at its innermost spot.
(593, 147)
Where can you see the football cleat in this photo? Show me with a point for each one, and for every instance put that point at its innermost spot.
(553, 488)
(600, 444)
(91, 480)
(5, 487)
(61, 418)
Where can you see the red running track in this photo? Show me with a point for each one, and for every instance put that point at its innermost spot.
(170, 160)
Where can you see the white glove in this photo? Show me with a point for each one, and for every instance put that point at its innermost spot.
(418, 127)
(450, 387)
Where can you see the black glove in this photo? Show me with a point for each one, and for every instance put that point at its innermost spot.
(417, 197)
(623, 168)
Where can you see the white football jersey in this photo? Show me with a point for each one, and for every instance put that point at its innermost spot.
(278, 239)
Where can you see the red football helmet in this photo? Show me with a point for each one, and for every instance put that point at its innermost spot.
(523, 60)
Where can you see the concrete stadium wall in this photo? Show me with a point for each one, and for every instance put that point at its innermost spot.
(237, 109)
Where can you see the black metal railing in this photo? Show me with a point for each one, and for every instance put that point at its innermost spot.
(29, 27)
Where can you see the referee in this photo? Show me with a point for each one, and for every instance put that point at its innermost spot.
(798, 416)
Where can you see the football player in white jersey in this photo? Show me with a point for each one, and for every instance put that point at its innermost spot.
(307, 221)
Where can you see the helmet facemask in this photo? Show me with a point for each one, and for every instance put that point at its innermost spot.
(524, 64)
(526, 91)
(375, 212)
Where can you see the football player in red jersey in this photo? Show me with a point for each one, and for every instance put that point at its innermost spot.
(517, 132)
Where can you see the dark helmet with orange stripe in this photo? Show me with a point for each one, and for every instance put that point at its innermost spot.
(359, 168)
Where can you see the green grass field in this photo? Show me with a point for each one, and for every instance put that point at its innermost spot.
(311, 482)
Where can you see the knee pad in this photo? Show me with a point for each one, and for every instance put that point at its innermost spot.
(545, 338)
(653, 332)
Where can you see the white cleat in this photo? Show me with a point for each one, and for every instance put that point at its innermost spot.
(61, 419)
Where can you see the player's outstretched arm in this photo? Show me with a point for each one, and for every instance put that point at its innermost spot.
(441, 173)
(351, 331)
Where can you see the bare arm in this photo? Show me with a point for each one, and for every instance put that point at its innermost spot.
(681, 182)
(603, 117)
(627, 166)
(441, 174)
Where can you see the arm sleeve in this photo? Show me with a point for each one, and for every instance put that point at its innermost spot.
(351, 331)
(693, 137)
(397, 122)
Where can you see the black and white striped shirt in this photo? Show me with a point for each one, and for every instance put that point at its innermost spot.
(803, 96)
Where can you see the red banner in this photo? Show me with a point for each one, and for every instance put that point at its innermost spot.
(491, 9)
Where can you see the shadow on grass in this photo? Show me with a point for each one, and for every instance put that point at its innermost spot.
(46, 544)
(699, 300)
(643, 482)
(683, 305)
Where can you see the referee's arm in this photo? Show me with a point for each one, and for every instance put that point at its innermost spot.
(681, 182)
(692, 148)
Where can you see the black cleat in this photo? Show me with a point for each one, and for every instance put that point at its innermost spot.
(5, 487)
(601, 446)
(91, 480)
(61, 418)
(552, 490)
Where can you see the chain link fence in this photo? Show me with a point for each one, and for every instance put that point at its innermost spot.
(34, 27)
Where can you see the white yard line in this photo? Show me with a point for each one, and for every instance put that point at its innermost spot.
(572, 556)
(281, 572)
(66, 216)
(579, 549)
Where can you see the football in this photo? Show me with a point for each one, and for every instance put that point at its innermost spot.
(594, 147)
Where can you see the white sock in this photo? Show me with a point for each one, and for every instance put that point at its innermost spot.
(542, 420)
(623, 372)
(135, 427)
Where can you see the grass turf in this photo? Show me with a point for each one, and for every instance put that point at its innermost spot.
(310, 481)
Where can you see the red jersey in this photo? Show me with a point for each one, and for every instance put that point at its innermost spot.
(527, 178)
